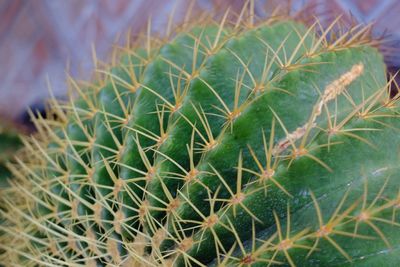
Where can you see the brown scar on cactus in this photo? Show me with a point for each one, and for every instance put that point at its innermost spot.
(333, 90)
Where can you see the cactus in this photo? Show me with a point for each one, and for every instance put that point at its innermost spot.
(248, 144)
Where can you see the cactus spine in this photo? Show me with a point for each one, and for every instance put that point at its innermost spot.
(231, 144)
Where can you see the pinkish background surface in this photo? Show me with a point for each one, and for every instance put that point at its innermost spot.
(47, 38)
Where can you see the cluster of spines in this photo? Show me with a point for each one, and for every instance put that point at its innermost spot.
(89, 214)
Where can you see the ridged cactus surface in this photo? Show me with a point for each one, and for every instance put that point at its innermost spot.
(229, 144)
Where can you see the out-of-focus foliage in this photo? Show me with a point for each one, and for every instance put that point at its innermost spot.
(9, 144)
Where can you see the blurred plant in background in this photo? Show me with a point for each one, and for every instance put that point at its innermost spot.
(9, 144)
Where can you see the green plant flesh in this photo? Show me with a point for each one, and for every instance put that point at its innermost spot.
(229, 145)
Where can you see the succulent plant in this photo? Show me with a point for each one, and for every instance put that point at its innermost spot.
(249, 144)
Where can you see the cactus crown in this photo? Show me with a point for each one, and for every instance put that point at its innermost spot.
(230, 144)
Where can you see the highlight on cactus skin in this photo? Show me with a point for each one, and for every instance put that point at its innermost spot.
(236, 142)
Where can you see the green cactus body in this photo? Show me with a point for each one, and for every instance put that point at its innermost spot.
(163, 89)
(230, 145)
(232, 95)
(237, 139)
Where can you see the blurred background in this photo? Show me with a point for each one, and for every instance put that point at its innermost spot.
(48, 38)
